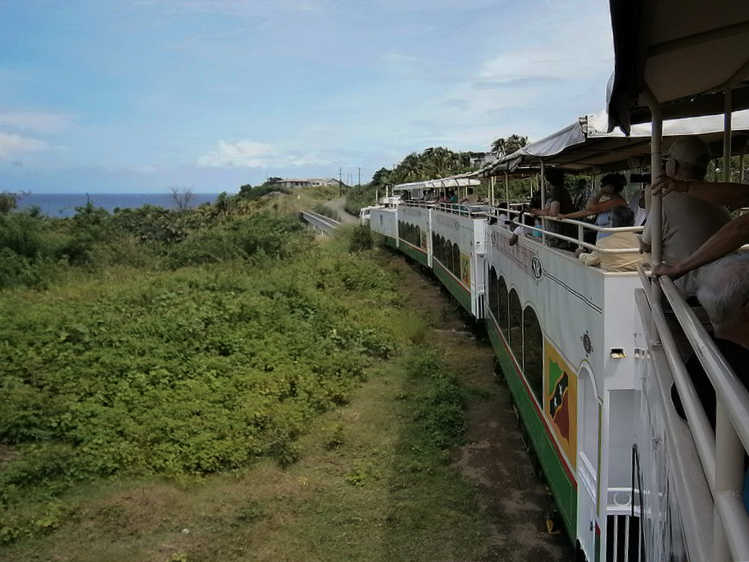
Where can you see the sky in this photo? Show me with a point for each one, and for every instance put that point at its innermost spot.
(106, 96)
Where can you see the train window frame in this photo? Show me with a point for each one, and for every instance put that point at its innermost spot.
(534, 374)
(456, 260)
(504, 315)
(517, 353)
(493, 292)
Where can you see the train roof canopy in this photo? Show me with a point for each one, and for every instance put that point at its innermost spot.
(685, 51)
(452, 181)
(586, 144)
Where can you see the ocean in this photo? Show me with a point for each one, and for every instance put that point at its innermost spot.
(64, 204)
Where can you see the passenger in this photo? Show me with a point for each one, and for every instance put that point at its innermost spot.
(502, 216)
(452, 197)
(601, 205)
(581, 193)
(518, 226)
(535, 203)
(559, 203)
(559, 200)
(627, 261)
(687, 221)
(638, 204)
(717, 276)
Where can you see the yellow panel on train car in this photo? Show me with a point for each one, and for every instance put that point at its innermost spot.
(560, 400)
(465, 269)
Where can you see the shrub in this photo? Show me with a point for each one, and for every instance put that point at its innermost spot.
(325, 211)
(361, 239)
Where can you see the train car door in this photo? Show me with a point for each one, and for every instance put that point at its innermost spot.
(588, 439)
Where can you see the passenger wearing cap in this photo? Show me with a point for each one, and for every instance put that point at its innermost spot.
(687, 222)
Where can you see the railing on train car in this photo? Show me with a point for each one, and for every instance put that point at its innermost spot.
(463, 209)
(581, 227)
(712, 500)
(624, 537)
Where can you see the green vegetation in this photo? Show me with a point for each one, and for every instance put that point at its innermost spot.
(188, 352)
(363, 196)
(321, 209)
(431, 163)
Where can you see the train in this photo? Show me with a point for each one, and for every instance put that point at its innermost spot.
(588, 354)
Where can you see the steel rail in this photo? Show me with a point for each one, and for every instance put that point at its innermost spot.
(321, 222)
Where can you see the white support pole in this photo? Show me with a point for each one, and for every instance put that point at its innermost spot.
(542, 187)
(727, 106)
(656, 228)
(729, 477)
(492, 181)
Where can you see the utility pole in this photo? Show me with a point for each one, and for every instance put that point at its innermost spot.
(359, 182)
(340, 184)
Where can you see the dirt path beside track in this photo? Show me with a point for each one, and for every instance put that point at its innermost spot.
(494, 458)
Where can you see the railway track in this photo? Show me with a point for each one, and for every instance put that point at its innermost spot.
(319, 222)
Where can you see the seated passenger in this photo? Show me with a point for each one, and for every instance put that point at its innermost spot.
(502, 215)
(620, 216)
(714, 273)
(518, 226)
(687, 221)
(602, 204)
(637, 202)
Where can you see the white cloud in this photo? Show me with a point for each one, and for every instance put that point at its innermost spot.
(38, 122)
(253, 154)
(12, 144)
(243, 153)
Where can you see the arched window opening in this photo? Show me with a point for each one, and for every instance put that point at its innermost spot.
(493, 291)
(502, 306)
(533, 353)
(456, 260)
(516, 326)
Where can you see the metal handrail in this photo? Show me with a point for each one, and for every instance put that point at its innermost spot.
(496, 212)
(580, 233)
(704, 439)
(684, 459)
(727, 386)
(461, 209)
(721, 454)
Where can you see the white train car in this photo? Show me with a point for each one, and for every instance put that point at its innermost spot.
(458, 239)
(562, 332)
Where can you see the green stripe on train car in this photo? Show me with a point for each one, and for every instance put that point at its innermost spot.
(414, 254)
(390, 241)
(562, 488)
(456, 289)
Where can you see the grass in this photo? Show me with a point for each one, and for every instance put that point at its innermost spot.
(383, 493)
(372, 478)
